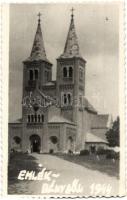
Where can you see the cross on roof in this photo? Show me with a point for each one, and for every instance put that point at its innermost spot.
(39, 16)
(72, 11)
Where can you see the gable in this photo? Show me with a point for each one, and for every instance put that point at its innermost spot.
(37, 98)
(90, 137)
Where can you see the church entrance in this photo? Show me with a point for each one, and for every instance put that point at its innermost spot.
(35, 143)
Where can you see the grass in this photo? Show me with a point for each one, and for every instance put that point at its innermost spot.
(18, 162)
(103, 165)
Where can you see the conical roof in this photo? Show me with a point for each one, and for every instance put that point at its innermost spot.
(38, 49)
(71, 48)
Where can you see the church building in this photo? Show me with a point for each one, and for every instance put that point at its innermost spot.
(56, 115)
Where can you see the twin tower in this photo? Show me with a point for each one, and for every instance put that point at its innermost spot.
(69, 87)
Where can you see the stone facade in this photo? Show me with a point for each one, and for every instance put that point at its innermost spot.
(56, 116)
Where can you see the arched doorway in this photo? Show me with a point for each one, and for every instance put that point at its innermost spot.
(35, 143)
(70, 144)
(92, 148)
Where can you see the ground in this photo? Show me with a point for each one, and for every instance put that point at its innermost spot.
(95, 177)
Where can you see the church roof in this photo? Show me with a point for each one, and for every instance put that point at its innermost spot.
(17, 121)
(100, 121)
(59, 119)
(89, 106)
(38, 50)
(90, 137)
(71, 48)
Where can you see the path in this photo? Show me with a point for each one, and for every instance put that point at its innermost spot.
(68, 172)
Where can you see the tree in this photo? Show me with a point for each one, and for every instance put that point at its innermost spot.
(112, 134)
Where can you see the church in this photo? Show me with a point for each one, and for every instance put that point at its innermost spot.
(56, 115)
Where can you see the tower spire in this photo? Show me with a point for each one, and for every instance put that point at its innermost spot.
(72, 13)
(71, 48)
(38, 49)
(39, 17)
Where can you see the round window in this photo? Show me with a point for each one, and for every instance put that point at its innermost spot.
(54, 139)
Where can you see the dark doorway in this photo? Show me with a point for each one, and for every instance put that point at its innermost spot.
(93, 148)
(35, 143)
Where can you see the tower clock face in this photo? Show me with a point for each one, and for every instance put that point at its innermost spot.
(75, 47)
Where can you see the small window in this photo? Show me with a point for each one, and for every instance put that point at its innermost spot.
(42, 118)
(65, 72)
(47, 75)
(35, 117)
(39, 118)
(28, 118)
(54, 139)
(69, 99)
(65, 99)
(36, 74)
(70, 72)
(80, 73)
(17, 139)
(31, 74)
(32, 118)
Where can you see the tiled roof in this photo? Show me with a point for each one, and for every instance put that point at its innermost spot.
(90, 137)
(88, 106)
(100, 132)
(38, 49)
(17, 121)
(100, 121)
(59, 119)
(71, 46)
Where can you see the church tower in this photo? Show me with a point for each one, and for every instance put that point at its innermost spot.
(71, 75)
(37, 68)
(37, 71)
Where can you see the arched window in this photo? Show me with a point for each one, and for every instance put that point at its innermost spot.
(80, 73)
(32, 118)
(28, 118)
(35, 117)
(39, 118)
(70, 138)
(54, 139)
(70, 144)
(69, 98)
(47, 75)
(31, 74)
(70, 72)
(65, 99)
(42, 118)
(36, 74)
(64, 72)
(17, 139)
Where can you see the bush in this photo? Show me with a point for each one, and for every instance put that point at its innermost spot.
(70, 151)
(84, 152)
(101, 151)
(110, 154)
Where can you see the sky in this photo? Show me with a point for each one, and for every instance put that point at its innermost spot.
(97, 28)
